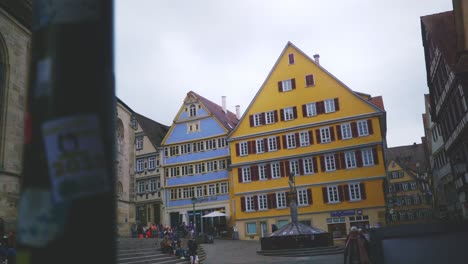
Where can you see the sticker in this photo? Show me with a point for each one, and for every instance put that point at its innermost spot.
(65, 11)
(39, 220)
(75, 157)
(43, 73)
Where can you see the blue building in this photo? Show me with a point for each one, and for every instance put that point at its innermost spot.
(195, 162)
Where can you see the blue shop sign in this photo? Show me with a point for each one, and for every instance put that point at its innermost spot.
(342, 213)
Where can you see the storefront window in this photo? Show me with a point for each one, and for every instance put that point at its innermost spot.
(251, 228)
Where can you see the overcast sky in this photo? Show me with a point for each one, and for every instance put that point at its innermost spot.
(165, 48)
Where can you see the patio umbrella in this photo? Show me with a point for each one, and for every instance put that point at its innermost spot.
(214, 214)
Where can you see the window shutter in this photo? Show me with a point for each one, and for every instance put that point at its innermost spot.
(254, 172)
(309, 196)
(265, 144)
(340, 193)
(320, 107)
(322, 163)
(362, 188)
(311, 137)
(239, 174)
(332, 133)
(285, 144)
(268, 171)
(354, 131)
(255, 202)
(337, 104)
(293, 83)
(304, 110)
(237, 149)
(298, 143)
(271, 198)
(337, 161)
(280, 86)
(252, 147)
(369, 127)
(282, 114)
(346, 192)
(251, 120)
(276, 115)
(338, 132)
(301, 167)
(243, 204)
(317, 134)
(282, 168)
(358, 158)
(375, 155)
(295, 112)
(261, 116)
(288, 200)
(343, 161)
(324, 194)
(278, 142)
(314, 161)
(288, 169)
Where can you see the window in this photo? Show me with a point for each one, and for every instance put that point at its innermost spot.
(287, 85)
(413, 186)
(350, 159)
(249, 203)
(311, 109)
(405, 186)
(304, 138)
(211, 189)
(258, 119)
(243, 148)
(139, 143)
(141, 187)
(199, 168)
(302, 197)
(346, 131)
(152, 185)
(175, 171)
(211, 166)
(151, 162)
(262, 202)
(246, 177)
(290, 141)
(174, 150)
(186, 148)
(222, 164)
(262, 173)
(288, 113)
(330, 162)
(294, 167)
(270, 117)
(272, 144)
(402, 215)
(325, 135)
(354, 192)
(134, 122)
(260, 145)
(309, 79)
(308, 166)
(275, 170)
(199, 191)
(362, 128)
(367, 157)
(193, 110)
(329, 105)
(410, 216)
(224, 187)
(416, 199)
(333, 194)
(140, 165)
(210, 144)
(222, 142)
(280, 200)
(282, 223)
(251, 228)
(291, 58)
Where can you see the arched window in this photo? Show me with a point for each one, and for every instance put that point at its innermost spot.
(3, 87)
(120, 135)
(193, 110)
(119, 189)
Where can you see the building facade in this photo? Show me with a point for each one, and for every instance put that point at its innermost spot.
(15, 47)
(149, 197)
(195, 161)
(304, 121)
(409, 195)
(448, 88)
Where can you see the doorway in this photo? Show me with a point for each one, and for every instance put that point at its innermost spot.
(263, 228)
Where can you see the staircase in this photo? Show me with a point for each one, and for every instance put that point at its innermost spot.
(302, 252)
(143, 251)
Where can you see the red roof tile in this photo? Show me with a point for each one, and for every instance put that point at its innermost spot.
(377, 101)
(229, 119)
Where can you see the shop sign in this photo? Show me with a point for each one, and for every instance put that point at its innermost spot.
(207, 199)
(343, 213)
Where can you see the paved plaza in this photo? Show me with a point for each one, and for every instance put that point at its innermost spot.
(245, 252)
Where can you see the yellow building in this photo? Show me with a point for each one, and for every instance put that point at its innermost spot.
(409, 196)
(305, 121)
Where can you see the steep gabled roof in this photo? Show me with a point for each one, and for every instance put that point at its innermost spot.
(229, 119)
(441, 28)
(411, 157)
(153, 130)
(377, 101)
(357, 94)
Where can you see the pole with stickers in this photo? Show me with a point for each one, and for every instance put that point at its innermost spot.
(67, 207)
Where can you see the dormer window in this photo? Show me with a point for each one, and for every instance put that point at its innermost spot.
(193, 110)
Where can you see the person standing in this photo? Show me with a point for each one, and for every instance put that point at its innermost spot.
(355, 248)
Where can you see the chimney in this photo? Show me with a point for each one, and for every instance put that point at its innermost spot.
(317, 58)
(238, 111)
(223, 100)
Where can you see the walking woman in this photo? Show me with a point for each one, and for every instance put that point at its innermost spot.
(355, 248)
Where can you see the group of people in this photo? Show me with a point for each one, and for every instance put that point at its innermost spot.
(159, 231)
(175, 248)
(357, 247)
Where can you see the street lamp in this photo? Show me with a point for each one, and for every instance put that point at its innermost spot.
(194, 200)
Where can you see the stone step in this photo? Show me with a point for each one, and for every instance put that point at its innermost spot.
(303, 252)
(138, 251)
